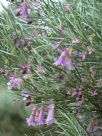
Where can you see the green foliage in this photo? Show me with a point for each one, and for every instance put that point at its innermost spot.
(33, 46)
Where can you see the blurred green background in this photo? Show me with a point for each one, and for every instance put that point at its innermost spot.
(12, 114)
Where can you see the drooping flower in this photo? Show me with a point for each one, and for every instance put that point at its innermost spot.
(82, 55)
(65, 59)
(92, 93)
(24, 9)
(14, 82)
(31, 120)
(17, 11)
(50, 117)
(77, 93)
(25, 68)
(69, 64)
(40, 119)
(37, 115)
(93, 126)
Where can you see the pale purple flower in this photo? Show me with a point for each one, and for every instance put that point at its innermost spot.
(31, 120)
(82, 55)
(93, 125)
(65, 60)
(24, 9)
(17, 11)
(25, 68)
(40, 119)
(50, 117)
(14, 82)
(69, 64)
(77, 93)
(92, 92)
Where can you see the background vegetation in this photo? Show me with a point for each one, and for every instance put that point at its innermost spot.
(74, 24)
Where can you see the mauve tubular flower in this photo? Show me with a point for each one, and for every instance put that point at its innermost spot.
(65, 60)
(82, 55)
(92, 93)
(14, 82)
(77, 93)
(17, 11)
(69, 64)
(25, 68)
(40, 119)
(50, 117)
(31, 120)
(24, 9)
(93, 126)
